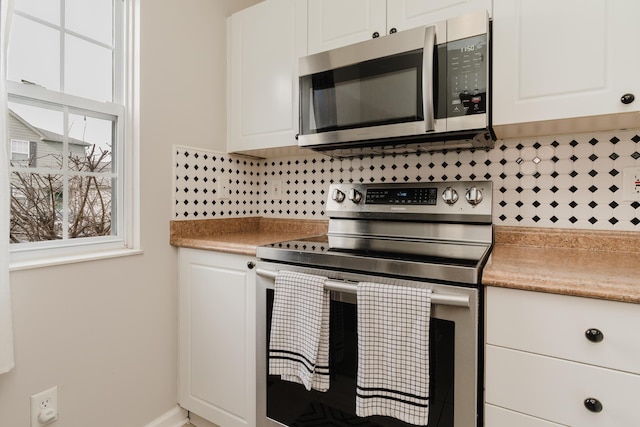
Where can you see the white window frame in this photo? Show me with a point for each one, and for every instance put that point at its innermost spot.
(126, 241)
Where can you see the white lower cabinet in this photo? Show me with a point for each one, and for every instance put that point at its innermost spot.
(556, 389)
(217, 337)
(496, 416)
(546, 366)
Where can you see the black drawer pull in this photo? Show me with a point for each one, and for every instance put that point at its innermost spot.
(627, 98)
(594, 335)
(251, 265)
(593, 405)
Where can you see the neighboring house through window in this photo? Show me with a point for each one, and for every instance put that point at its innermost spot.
(66, 72)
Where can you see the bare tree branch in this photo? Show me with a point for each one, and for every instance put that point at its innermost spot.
(37, 200)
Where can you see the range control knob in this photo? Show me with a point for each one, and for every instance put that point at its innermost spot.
(337, 195)
(355, 196)
(474, 195)
(450, 196)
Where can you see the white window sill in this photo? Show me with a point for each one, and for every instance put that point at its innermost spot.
(71, 259)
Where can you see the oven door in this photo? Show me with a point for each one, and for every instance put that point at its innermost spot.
(453, 358)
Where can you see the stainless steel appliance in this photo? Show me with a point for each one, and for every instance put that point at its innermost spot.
(416, 90)
(431, 235)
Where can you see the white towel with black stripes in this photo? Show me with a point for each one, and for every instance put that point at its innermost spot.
(393, 352)
(299, 341)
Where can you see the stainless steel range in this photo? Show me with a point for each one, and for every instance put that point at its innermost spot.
(425, 235)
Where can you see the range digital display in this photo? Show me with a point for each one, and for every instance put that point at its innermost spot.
(402, 196)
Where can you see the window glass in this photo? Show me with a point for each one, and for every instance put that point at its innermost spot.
(44, 202)
(91, 19)
(88, 70)
(90, 206)
(95, 136)
(34, 53)
(36, 207)
(43, 128)
(81, 63)
(47, 10)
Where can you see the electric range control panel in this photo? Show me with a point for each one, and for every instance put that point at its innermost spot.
(466, 201)
(402, 196)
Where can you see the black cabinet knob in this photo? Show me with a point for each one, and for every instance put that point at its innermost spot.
(594, 335)
(393, 30)
(251, 265)
(593, 404)
(375, 35)
(297, 136)
(627, 98)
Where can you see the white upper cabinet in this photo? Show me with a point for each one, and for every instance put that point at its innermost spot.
(407, 14)
(336, 23)
(264, 44)
(571, 59)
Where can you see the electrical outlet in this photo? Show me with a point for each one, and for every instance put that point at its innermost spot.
(630, 184)
(223, 189)
(276, 189)
(44, 407)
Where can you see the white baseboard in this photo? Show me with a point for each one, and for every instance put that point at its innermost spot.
(200, 422)
(177, 417)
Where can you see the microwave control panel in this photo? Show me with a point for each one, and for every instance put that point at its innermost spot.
(467, 76)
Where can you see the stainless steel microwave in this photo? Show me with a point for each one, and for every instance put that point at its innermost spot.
(422, 89)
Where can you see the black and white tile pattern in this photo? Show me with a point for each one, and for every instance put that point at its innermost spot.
(197, 173)
(562, 181)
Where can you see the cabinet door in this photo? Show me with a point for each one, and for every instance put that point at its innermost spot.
(557, 325)
(564, 59)
(556, 389)
(495, 416)
(336, 23)
(265, 42)
(407, 14)
(217, 337)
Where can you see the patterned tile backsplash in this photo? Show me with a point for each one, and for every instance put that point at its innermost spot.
(563, 181)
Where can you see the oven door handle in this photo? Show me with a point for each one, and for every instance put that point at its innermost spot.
(352, 288)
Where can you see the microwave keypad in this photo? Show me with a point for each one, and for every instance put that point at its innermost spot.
(467, 76)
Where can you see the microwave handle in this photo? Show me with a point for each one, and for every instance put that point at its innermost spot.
(427, 78)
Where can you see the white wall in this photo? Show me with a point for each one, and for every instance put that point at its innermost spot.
(105, 332)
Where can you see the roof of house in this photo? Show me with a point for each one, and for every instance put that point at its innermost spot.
(44, 134)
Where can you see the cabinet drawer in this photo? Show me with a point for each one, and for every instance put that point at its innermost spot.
(500, 417)
(555, 325)
(555, 389)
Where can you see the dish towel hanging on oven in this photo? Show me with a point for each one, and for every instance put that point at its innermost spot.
(299, 342)
(393, 352)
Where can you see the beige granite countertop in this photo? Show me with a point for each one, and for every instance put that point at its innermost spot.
(241, 235)
(596, 264)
